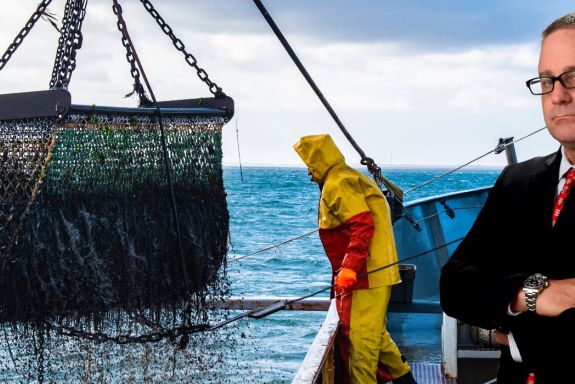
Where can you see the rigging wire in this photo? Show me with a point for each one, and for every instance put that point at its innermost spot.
(471, 161)
(306, 75)
(498, 148)
(275, 245)
(239, 154)
(478, 206)
(275, 307)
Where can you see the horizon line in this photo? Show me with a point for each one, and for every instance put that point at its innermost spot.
(358, 165)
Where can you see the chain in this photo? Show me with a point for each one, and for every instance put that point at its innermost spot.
(190, 59)
(41, 352)
(160, 334)
(20, 37)
(393, 194)
(134, 71)
(64, 32)
(73, 42)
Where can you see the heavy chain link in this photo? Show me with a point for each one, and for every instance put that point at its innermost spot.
(29, 25)
(41, 353)
(73, 41)
(160, 334)
(134, 71)
(190, 59)
(64, 31)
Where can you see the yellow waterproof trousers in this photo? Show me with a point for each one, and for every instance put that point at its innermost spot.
(368, 353)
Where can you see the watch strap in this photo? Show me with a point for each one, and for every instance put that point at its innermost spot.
(531, 299)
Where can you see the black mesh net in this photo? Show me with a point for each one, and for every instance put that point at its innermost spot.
(89, 246)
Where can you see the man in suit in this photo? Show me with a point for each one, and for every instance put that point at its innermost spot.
(515, 270)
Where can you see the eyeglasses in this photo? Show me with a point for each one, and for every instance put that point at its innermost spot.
(545, 84)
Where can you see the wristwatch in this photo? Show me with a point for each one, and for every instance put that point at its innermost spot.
(532, 286)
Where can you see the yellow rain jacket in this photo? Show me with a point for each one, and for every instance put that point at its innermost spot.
(354, 219)
(356, 232)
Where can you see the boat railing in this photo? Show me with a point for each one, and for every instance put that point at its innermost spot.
(319, 362)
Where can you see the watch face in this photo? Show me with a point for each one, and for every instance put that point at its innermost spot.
(535, 281)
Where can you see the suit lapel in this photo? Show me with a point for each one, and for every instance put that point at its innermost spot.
(543, 185)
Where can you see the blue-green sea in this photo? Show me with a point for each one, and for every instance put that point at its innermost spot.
(269, 206)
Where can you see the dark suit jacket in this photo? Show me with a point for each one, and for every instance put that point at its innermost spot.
(511, 239)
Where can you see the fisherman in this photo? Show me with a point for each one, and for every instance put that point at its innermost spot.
(357, 236)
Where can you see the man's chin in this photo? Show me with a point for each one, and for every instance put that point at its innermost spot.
(562, 130)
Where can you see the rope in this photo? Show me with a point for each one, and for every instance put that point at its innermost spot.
(365, 160)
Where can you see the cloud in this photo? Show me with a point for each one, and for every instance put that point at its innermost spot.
(405, 90)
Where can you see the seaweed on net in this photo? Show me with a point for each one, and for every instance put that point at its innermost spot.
(90, 251)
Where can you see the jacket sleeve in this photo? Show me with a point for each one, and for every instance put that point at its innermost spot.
(361, 232)
(542, 340)
(475, 285)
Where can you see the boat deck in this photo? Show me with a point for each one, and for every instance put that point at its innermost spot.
(430, 373)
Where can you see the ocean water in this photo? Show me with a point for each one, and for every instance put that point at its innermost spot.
(269, 206)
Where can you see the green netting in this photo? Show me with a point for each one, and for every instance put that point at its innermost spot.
(86, 224)
(89, 251)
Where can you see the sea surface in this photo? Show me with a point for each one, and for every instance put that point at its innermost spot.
(270, 206)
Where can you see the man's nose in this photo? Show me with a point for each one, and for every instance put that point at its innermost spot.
(560, 94)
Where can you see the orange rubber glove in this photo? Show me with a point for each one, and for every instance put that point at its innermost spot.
(346, 278)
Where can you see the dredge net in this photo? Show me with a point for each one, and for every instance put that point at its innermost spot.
(94, 267)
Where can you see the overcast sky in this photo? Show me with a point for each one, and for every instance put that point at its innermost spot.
(415, 82)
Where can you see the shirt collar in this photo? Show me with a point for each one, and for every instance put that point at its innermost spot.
(565, 164)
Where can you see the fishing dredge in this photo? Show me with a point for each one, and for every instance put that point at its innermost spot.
(109, 211)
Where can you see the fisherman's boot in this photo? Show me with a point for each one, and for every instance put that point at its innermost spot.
(405, 379)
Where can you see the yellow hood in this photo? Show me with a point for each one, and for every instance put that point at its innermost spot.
(320, 154)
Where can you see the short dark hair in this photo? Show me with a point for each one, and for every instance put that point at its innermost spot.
(567, 21)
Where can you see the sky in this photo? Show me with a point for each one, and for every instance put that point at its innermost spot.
(426, 83)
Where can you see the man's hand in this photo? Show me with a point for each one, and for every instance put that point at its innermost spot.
(552, 301)
(346, 278)
(501, 338)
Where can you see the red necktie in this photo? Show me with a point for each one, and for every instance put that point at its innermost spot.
(560, 201)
